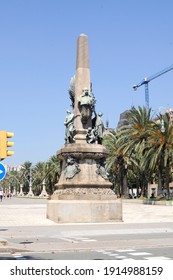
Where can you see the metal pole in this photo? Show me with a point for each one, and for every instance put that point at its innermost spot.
(146, 96)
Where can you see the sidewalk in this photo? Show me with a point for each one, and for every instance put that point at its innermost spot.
(22, 217)
(134, 211)
(32, 212)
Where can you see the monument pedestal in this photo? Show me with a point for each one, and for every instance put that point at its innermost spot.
(84, 211)
(86, 197)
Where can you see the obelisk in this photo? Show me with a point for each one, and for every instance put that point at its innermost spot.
(84, 192)
(82, 81)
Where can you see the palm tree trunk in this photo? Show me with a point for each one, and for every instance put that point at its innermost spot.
(125, 184)
(121, 182)
(167, 179)
(160, 182)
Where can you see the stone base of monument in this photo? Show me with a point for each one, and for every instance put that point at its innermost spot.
(84, 194)
(84, 211)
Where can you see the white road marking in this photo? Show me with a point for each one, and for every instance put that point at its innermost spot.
(120, 257)
(125, 250)
(157, 258)
(69, 240)
(140, 254)
(89, 240)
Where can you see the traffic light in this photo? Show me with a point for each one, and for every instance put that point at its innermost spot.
(4, 144)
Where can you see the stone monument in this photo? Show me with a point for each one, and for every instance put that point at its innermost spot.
(84, 193)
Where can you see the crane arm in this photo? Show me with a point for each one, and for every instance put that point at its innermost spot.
(160, 73)
(143, 82)
(147, 80)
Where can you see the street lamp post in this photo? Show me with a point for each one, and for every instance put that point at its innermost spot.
(21, 190)
(43, 193)
(30, 185)
(14, 191)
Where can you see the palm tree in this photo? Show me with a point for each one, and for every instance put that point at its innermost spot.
(53, 168)
(136, 132)
(38, 175)
(132, 139)
(49, 172)
(25, 175)
(160, 150)
(116, 164)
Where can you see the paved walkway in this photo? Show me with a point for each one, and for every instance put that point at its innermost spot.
(143, 213)
(32, 212)
(24, 218)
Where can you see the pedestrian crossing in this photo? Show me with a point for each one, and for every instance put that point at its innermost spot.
(103, 254)
(116, 254)
(119, 254)
(92, 251)
(131, 254)
(77, 239)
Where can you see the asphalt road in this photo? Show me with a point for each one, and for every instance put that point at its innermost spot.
(163, 253)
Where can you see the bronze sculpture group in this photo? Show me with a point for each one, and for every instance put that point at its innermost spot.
(86, 103)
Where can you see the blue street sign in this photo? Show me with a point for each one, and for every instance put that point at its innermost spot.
(2, 171)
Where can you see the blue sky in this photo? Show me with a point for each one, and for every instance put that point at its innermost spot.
(128, 40)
